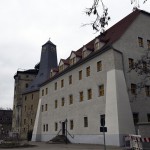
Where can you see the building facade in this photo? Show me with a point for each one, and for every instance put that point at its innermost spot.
(93, 83)
(5, 123)
(31, 94)
(22, 81)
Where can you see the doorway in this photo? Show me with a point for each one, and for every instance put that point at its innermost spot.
(63, 128)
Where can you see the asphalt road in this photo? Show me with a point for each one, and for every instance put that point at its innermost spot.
(44, 146)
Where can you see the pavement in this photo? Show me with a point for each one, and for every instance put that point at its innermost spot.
(44, 146)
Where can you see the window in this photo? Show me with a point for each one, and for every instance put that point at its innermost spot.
(31, 121)
(81, 96)
(80, 75)
(99, 66)
(56, 104)
(26, 85)
(24, 121)
(72, 60)
(61, 68)
(46, 127)
(42, 92)
(89, 94)
(55, 85)
(70, 99)
(85, 121)
(51, 74)
(46, 91)
(84, 53)
(101, 90)
(62, 83)
(56, 126)
(32, 96)
(135, 118)
(31, 107)
(145, 67)
(25, 98)
(46, 107)
(133, 88)
(140, 40)
(148, 117)
(147, 90)
(148, 44)
(97, 45)
(131, 63)
(71, 124)
(70, 79)
(88, 71)
(62, 102)
(42, 108)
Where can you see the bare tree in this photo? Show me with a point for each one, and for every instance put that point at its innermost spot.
(142, 68)
(101, 20)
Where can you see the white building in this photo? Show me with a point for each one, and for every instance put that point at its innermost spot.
(95, 82)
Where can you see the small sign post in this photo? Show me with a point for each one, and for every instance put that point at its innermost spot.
(103, 129)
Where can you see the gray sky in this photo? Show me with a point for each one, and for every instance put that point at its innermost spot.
(25, 25)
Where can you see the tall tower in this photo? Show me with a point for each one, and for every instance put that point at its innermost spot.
(30, 97)
(22, 80)
(47, 62)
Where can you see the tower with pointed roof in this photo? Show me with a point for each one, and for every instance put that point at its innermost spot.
(30, 94)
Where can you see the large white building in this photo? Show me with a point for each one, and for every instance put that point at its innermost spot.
(93, 83)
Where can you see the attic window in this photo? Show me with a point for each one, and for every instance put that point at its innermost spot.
(51, 74)
(61, 68)
(72, 61)
(97, 45)
(84, 53)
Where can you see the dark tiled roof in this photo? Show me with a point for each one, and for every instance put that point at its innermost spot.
(77, 53)
(90, 45)
(55, 69)
(65, 61)
(30, 71)
(48, 42)
(111, 35)
(117, 30)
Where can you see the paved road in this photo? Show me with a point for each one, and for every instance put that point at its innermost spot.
(44, 146)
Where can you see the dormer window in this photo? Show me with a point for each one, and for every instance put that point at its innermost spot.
(72, 61)
(97, 45)
(51, 74)
(61, 68)
(84, 53)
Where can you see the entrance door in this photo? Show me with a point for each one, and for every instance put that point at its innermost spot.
(63, 128)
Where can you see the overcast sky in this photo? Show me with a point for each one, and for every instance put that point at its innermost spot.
(25, 25)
